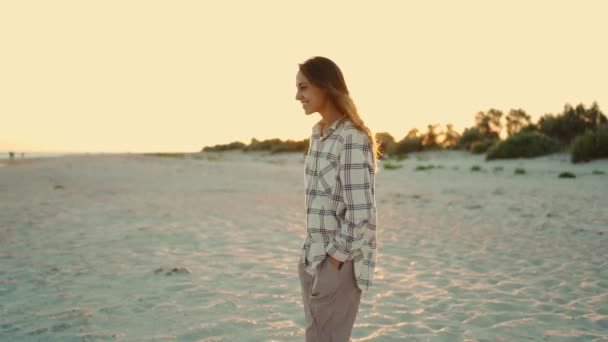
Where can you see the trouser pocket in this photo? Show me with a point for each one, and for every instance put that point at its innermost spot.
(326, 281)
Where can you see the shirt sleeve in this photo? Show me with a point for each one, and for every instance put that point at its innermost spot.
(356, 167)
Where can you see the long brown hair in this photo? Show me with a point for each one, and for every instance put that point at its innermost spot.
(325, 74)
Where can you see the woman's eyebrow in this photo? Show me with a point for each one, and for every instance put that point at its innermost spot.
(301, 84)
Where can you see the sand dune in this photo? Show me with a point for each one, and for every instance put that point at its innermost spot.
(132, 248)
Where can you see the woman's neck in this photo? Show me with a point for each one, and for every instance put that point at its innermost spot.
(329, 116)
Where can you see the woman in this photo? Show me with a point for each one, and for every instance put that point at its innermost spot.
(339, 252)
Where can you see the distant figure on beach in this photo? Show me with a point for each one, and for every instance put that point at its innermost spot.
(339, 252)
(11, 155)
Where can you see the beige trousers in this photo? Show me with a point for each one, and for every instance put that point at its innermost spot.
(331, 300)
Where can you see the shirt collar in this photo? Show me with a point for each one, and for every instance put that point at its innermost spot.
(317, 128)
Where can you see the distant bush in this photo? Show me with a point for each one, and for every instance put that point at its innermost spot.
(567, 175)
(406, 145)
(271, 145)
(475, 168)
(468, 137)
(531, 128)
(482, 146)
(598, 172)
(237, 145)
(277, 145)
(385, 143)
(290, 146)
(593, 144)
(264, 145)
(177, 155)
(523, 145)
(520, 171)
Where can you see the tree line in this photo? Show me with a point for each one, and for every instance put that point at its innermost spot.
(581, 130)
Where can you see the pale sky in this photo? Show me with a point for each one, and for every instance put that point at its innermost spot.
(143, 76)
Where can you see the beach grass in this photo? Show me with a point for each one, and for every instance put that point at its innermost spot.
(475, 168)
(598, 172)
(520, 171)
(391, 166)
(567, 175)
(424, 167)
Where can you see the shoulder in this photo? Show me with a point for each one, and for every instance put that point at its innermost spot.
(353, 135)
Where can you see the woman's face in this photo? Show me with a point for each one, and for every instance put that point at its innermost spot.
(313, 98)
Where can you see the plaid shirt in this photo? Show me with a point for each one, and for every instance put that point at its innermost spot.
(340, 204)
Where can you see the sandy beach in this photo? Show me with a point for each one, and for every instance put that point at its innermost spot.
(205, 248)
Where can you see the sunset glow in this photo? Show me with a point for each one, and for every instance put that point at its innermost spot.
(141, 76)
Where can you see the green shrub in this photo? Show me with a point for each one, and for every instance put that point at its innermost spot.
(405, 146)
(389, 166)
(468, 137)
(498, 168)
(237, 145)
(385, 143)
(567, 175)
(482, 146)
(265, 145)
(598, 172)
(475, 168)
(424, 167)
(276, 146)
(573, 121)
(520, 171)
(593, 144)
(290, 146)
(531, 128)
(523, 145)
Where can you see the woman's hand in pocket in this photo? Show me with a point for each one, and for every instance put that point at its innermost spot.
(334, 262)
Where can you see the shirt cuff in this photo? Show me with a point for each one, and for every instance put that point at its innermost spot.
(335, 252)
